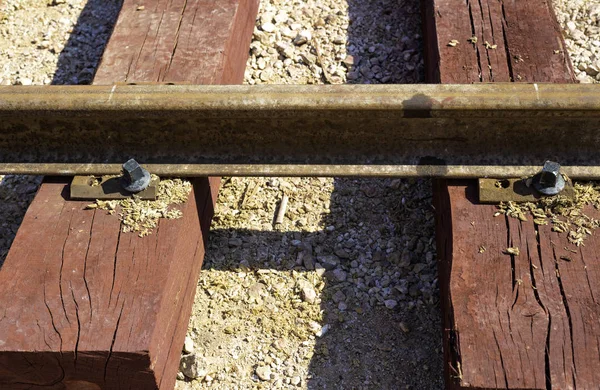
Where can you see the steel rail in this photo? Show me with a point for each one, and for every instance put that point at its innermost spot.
(303, 170)
(455, 131)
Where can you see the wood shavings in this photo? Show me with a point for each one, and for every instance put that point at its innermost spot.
(489, 45)
(512, 251)
(473, 39)
(143, 215)
(453, 43)
(566, 215)
(513, 210)
(108, 205)
(95, 182)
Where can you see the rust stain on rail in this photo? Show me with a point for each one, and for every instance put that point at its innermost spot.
(391, 130)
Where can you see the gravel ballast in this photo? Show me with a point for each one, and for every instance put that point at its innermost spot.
(580, 20)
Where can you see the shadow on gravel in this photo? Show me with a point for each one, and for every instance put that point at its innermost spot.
(377, 248)
(80, 57)
(385, 320)
(384, 312)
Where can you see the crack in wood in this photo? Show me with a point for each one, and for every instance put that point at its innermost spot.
(506, 45)
(43, 335)
(142, 46)
(60, 273)
(474, 32)
(487, 52)
(193, 24)
(493, 39)
(78, 322)
(568, 312)
(155, 51)
(131, 61)
(176, 37)
(85, 282)
(29, 363)
(49, 384)
(52, 318)
(509, 244)
(536, 294)
(547, 354)
(114, 275)
(587, 277)
(114, 338)
(501, 360)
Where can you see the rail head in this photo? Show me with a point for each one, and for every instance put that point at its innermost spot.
(270, 99)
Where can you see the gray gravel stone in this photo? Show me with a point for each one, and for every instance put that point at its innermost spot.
(308, 294)
(390, 303)
(188, 345)
(340, 275)
(268, 27)
(338, 296)
(191, 366)
(329, 262)
(263, 373)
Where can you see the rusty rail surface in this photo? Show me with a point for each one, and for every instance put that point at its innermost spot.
(458, 131)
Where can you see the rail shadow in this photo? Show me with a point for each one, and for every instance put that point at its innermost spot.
(397, 215)
(79, 59)
(16, 193)
(397, 55)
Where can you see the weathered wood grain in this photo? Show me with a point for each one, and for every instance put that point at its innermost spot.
(194, 41)
(82, 305)
(88, 304)
(529, 44)
(517, 322)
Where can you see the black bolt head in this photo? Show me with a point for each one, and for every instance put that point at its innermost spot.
(135, 178)
(549, 180)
